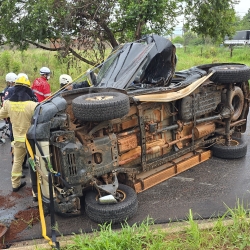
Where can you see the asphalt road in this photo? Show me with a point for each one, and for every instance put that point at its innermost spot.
(207, 189)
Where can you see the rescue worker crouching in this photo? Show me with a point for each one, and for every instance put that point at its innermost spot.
(65, 79)
(20, 108)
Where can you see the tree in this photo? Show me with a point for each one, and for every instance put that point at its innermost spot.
(246, 21)
(238, 24)
(68, 25)
(178, 39)
(191, 38)
(213, 18)
(82, 26)
(241, 23)
(86, 28)
(135, 18)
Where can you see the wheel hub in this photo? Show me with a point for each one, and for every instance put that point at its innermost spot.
(118, 197)
(99, 98)
(230, 143)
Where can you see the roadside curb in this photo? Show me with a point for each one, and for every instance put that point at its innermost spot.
(173, 227)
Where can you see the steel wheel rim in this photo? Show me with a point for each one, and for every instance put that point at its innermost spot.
(99, 98)
(232, 143)
(120, 193)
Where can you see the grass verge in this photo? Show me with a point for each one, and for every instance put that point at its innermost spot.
(230, 231)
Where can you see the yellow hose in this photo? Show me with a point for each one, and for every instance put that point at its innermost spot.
(41, 213)
(30, 151)
(40, 203)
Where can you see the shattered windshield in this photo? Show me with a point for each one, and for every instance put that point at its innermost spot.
(121, 68)
(150, 62)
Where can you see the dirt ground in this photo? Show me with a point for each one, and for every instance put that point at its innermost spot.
(22, 219)
(17, 212)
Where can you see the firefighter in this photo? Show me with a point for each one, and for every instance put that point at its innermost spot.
(8, 94)
(41, 86)
(10, 90)
(10, 79)
(20, 108)
(65, 79)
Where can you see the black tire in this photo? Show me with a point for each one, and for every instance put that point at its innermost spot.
(230, 73)
(100, 106)
(237, 150)
(114, 213)
(237, 103)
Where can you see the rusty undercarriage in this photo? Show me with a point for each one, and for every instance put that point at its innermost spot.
(140, 124)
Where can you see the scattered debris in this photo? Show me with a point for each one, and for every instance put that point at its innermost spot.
(3, 230)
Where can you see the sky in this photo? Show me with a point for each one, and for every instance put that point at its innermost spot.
(241, 9)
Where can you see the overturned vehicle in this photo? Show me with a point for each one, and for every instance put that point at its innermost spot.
(140, 123)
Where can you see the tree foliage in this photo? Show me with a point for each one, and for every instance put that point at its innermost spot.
(241, 23)
(178, 39)
(80, 26)
(145, 16)
(213, 18)
(189, 38)
(86, 28)
(246, 21)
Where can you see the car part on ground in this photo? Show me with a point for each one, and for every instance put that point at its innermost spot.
(124, 208)
(140, 124)
(234, 149)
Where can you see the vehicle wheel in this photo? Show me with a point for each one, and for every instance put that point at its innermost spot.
(230, 73)
(114, 213)
(237, 103)
(100, 106)
(236, 149)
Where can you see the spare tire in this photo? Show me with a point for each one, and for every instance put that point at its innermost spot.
(100, 106)
(114, 213)
(237, 103)
(230, 74)
(236, 149)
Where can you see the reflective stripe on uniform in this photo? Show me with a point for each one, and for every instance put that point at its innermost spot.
(38, 92)
(18, 106)
(46, 95)
(16, 174)
(20, 139)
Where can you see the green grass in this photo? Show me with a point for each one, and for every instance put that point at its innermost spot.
(129, 237)
(191, 56)
(31, 61)
(230, 231)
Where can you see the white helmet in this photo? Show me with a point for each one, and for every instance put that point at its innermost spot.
(65, 79)
(44, 71)
(23, 74)
(10, 77)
